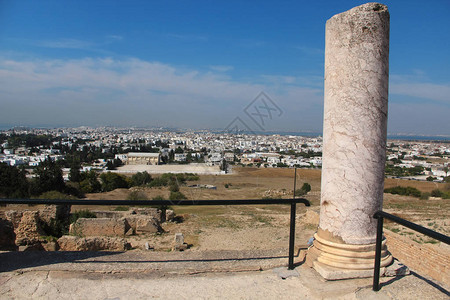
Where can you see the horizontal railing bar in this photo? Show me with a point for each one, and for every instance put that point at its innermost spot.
(155, 202)
(431, 233)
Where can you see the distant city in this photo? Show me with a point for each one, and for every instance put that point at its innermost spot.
(106, 148)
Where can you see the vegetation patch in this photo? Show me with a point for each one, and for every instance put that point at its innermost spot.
(405, 191)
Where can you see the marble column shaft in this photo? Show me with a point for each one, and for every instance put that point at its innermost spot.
(355, 120)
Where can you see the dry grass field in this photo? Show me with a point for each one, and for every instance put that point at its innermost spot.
(259, 227)
(267, 226)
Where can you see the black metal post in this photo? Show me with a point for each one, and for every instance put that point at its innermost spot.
(292, 227)
(292, 237)
(376, 270)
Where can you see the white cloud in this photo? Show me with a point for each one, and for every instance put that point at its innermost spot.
(430, 91)
(132, 91)
(417, 84)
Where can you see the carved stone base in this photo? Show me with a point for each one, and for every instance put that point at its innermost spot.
(342, 261)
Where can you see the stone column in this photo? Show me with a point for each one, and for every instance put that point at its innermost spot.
(354, 142)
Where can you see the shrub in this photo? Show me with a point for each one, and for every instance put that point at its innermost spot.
(137, 195)
(177, 196)
(121, 208)
(55, 228)
(436, 193)
(306, 187)
(158, 182)
(141, 178)
(173, 187)
(112, 181)
(406, 191)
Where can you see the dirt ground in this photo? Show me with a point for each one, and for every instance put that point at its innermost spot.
(267, 227)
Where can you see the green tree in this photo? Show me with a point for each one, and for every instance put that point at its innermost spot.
(112, 181)
(13, 182)
(89, 182)
(74, 173)
(224, 166)
(141, 178)
(48, 177)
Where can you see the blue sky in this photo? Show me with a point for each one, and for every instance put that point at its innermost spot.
(198, 64)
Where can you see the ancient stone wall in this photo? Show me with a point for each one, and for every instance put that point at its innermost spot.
(425, 259)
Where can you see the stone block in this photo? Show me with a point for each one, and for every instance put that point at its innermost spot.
(99, 227)
(179, 244)
(99, 243)
(56, 212)
(146, 224)
(29, 230)
(142, 224)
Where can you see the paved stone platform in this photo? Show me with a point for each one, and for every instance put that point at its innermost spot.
(187, 275)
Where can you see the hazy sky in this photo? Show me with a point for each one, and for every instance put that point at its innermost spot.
(199, 64)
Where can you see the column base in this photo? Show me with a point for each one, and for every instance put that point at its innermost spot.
(334, 261)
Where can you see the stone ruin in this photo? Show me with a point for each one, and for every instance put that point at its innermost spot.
(354, 142)
(25, 230)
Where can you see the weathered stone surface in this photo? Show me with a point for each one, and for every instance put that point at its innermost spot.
(110, 214)
(14, 217)
(50, 246)
(170, 214)
(147, 211)
(179, 244)
(29, 230)
(355, 122)
(179, 239)
(99, 227)
(142, 224)
(56, 212)
(7, 236)
(146, 224)
(99, 243)
(354, 142)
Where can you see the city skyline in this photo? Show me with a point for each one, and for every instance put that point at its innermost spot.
(199, 65)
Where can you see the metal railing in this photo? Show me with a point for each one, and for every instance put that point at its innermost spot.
(381, 215)
(292, 202)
